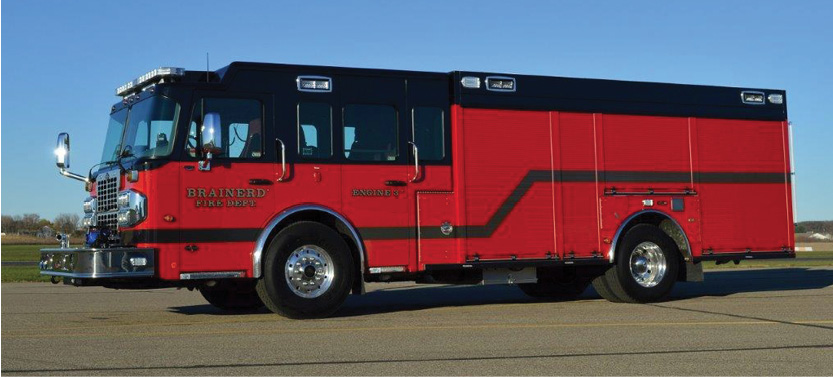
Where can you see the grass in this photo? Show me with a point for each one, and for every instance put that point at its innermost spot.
(12, 274)
(22, 253)
(19, 239)
(821, 256)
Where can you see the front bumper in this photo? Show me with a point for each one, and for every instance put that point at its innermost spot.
(98, 263)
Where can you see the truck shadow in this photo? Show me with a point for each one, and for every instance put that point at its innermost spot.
(716, 283)
(398, 298)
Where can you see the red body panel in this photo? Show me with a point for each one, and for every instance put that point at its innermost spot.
(577, 203)
(522, 185)
(740, 217)
(501, 148)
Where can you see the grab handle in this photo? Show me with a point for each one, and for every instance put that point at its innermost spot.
(279, 142)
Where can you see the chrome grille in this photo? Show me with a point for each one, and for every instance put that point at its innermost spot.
(107, 191)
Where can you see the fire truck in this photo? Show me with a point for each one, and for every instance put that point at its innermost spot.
(292, 186)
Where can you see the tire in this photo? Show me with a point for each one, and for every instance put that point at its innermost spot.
(647, 264)
(603, 289)
(233, 295)
(555, 289)
(321, 274)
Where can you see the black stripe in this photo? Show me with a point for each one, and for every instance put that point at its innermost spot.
(387, 233)
(471, 231)
(535, 176)
(190, 235)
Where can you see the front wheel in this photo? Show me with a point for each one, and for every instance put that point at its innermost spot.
(307, 272)
(647, 264)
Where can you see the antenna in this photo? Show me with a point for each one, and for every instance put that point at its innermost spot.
(207, 74)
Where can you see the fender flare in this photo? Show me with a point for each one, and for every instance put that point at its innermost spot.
(612, 252)
(263, 238)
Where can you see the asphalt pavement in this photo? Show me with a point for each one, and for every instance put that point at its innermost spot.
(738, 322)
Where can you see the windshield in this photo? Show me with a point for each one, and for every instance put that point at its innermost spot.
(146, 129)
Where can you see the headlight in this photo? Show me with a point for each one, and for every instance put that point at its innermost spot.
(132, 208)
(89, 205)
(88, 220)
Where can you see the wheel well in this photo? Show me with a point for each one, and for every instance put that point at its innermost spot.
(337, 225)
(668, 226)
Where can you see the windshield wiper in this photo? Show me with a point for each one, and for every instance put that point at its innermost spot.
(107, 163)
(127, 151)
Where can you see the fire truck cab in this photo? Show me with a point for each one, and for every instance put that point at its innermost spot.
(291, 186)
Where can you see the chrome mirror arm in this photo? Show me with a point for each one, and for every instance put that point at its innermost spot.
(205, 164)
(72, 175)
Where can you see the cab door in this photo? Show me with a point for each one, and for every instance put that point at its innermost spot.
(433, 214)
(228, 201)
(371, 148)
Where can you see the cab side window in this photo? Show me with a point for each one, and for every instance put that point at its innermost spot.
(370, 133)
(241, 127)
(315, 130)
(429, 132)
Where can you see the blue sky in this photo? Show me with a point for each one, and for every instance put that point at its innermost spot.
(62, 60)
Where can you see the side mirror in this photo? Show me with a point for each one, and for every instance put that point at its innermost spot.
(212, 139)
(62, 158)
(62, 151)
(212, 136)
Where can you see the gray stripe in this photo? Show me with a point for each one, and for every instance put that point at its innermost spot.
(741, 177)
(642, 176)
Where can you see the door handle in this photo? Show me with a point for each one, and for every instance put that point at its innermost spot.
(259, 182)
(395, 183)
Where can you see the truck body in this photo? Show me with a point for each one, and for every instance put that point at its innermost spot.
(461, 177)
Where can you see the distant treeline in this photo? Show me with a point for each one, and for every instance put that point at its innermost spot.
(823, 227)
(31, 224)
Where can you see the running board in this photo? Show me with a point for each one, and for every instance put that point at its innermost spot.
(745, 255)
(481, 264)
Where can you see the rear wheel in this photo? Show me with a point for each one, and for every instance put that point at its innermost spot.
(307, 271)
(234, 295)
(647, 264)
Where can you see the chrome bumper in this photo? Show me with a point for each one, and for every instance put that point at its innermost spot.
(98, 263)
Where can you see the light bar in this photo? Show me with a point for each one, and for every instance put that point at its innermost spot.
(500, 84)
(314, 84)
(777, 99)
(752, 98)
(152, 76)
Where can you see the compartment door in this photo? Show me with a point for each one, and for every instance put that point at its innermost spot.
(437, 231)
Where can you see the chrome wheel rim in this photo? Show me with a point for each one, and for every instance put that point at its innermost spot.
(309, 271)
(647, 264)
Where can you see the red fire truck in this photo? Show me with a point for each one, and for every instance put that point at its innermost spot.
(292, 186)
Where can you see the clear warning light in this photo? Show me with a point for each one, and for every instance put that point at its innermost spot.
(471, 82)
(776, 99)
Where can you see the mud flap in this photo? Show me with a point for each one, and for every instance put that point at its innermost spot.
(693, 272)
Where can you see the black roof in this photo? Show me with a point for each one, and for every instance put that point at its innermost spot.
(564, 94)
